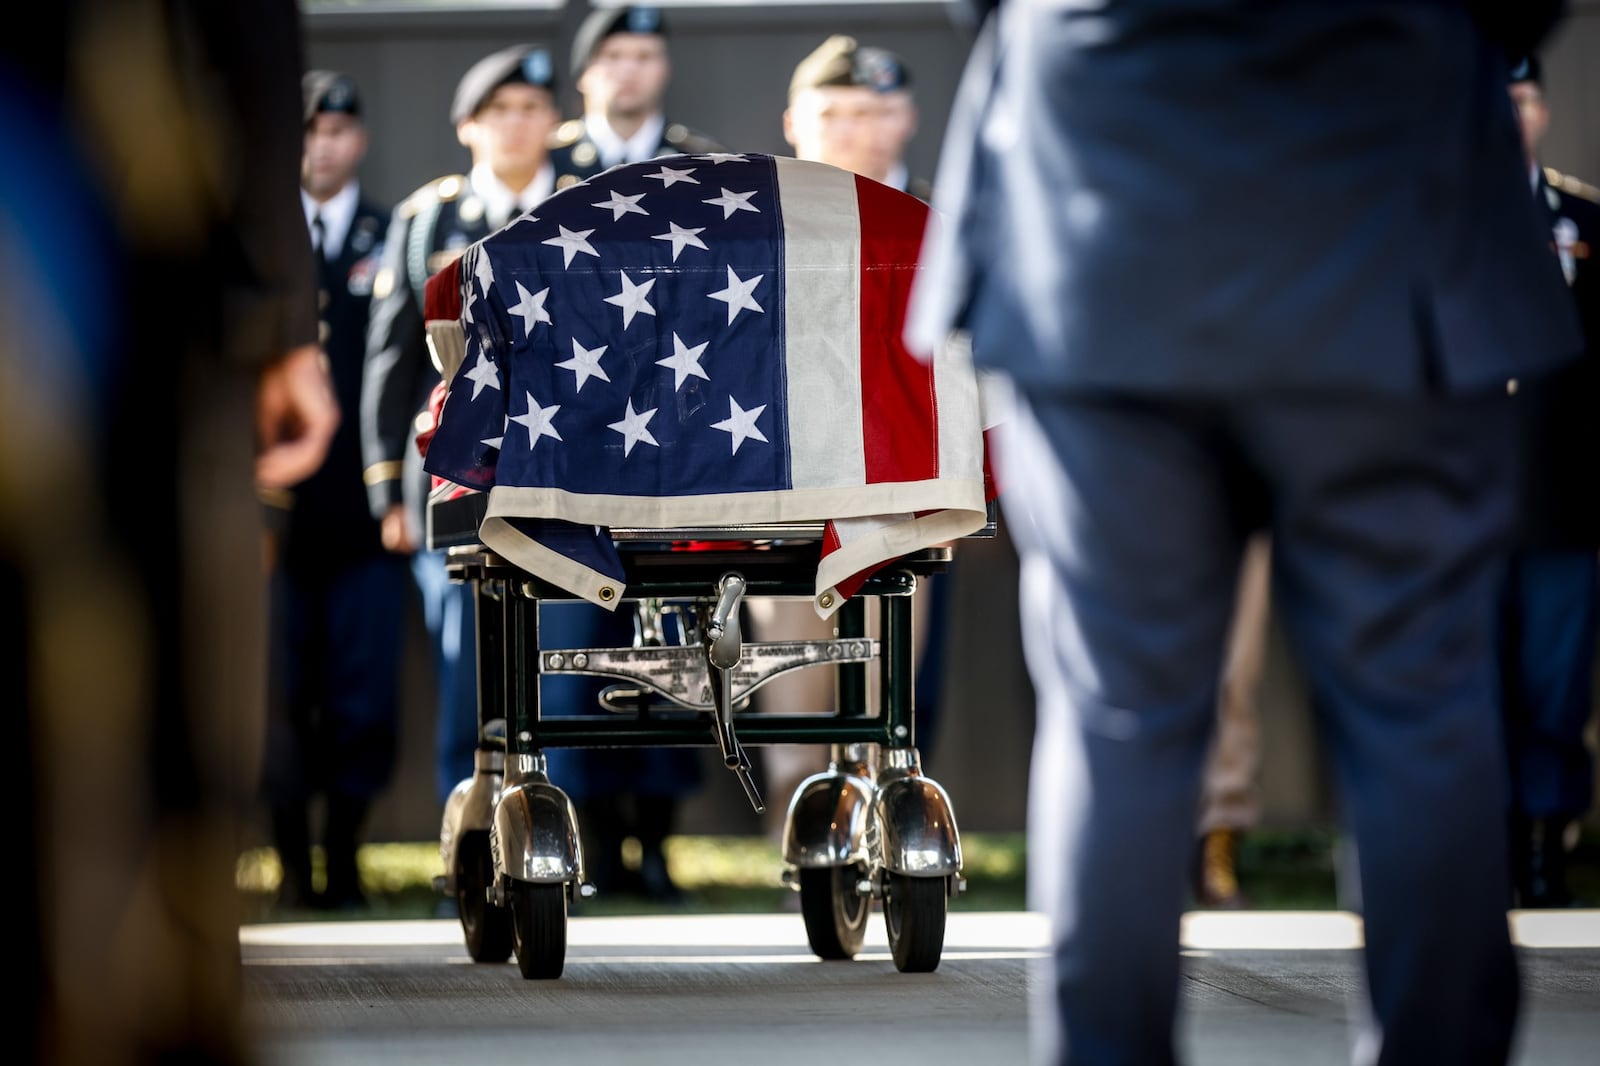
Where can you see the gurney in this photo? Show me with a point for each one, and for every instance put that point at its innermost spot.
(580, 453)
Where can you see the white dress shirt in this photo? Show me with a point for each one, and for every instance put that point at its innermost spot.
(500, 204)
(338, 213)
(636, 149)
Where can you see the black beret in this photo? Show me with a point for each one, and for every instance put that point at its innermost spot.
(841, 61)
(1527, 69)
(523, 64)
(328, 90)
(630, 18)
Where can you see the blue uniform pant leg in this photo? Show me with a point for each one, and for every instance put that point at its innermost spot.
(1552, 616)
(575, 624)
(289, 773)
(365, 620)
(1129, 546)
(447, 612)
(1391, 522)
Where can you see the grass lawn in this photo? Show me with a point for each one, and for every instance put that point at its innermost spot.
(1278, 869)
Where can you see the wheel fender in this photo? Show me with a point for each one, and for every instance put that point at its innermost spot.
(534, 834)
(468, 808)
(917, 828)
(827, 821)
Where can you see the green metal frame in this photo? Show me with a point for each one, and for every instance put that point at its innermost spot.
(506, 615)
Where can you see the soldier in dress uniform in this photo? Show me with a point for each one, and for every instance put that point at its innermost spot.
(337, 597)
(505, 112)
(1552, 604)
(851, 105)
(621, 66)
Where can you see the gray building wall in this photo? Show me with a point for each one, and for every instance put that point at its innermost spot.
(731, 69)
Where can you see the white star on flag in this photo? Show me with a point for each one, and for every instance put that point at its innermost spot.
(681, 237)
(496, 442)
(530, 308)
(571, 243)
(740, 425)
(483, 374)
(669, 177)
(731, 201)
(634, 428)
(737, 294)
(725, 157)
(684, 361)
(585, 364)
(632, 299)
(621, 205)
(537, 419)
(483, 271)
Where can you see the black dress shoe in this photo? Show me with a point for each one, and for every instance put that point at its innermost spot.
(1539, 856)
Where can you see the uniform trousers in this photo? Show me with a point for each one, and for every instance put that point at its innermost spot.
(1230, 796)
(334, 711)
(452, 628)
(1552, 621)
(1390, 521)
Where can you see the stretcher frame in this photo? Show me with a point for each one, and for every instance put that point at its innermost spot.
(871, 828)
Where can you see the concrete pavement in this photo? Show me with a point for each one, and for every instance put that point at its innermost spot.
(1258, 988)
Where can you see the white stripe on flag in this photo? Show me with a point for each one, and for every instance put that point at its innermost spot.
(822, 324)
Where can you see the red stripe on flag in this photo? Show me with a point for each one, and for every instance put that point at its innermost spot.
(442, 293)
(899, 419)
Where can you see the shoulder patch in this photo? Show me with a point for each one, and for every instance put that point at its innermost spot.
(693, 142)
(1571, 186)
(439, 190)
(568, 132)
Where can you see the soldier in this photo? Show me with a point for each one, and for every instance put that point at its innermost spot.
(505, 113)
(1552, 604)
(852, 106)
(337, 597)
(620, 63)
(621, 67)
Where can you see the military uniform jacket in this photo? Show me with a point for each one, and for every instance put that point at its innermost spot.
(575, 153)
(1562, 509)
(427, 231)
(329, 520)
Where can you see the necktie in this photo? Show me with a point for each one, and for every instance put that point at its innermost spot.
(317, 231)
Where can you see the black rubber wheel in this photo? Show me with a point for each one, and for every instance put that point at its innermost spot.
(487, 928)
(914, 910)
(539, 929)
(835, 913)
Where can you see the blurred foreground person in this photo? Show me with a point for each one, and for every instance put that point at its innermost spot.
(1332, 351)
(1552, 596)
(158, 360)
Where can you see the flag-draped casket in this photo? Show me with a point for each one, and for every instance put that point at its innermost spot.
(704, 341)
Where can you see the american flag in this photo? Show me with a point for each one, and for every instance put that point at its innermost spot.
(708, 340)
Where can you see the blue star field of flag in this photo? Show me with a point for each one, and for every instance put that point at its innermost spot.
(626, 338)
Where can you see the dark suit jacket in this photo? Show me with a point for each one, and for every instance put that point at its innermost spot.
(1209, 196)
(330, 523)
